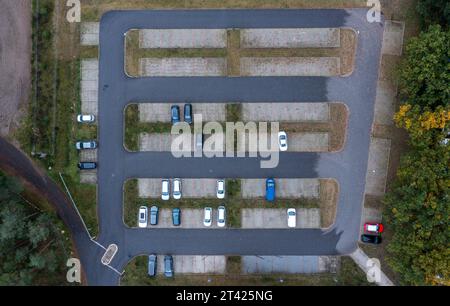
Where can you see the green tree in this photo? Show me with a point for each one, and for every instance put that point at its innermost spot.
(434, 12)
(424, 75)
(29, 245)
(417, 211)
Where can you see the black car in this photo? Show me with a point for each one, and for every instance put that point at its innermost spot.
(188, 113)
(87, 165)
(168, 266)
(175, 114)
(152, 263)
(373, 239)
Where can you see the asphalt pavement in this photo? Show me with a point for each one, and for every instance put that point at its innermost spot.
(116, 90)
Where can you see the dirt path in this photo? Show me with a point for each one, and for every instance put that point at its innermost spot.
(15, 59)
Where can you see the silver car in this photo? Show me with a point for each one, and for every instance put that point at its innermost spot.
(82, 145)
(85, 118)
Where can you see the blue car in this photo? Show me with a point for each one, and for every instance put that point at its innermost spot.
(270, 189)
(176, 216)
(188, 113)
(175, 114)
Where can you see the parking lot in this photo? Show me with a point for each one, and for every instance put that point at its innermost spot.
(190, 218)
(284, 188)
(288, 264)
(188, 264)
(191, 188)
(160, 112)
(277, 218)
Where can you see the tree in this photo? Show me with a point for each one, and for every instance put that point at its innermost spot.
(424, 75)
(28, 240)
(426, 128)
(417, 211)
(434, 12)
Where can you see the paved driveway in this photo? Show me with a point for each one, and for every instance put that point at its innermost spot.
(116, 165)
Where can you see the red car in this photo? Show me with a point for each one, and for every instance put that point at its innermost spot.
(373, 228)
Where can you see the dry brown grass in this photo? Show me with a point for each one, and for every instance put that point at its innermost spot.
(328, 199)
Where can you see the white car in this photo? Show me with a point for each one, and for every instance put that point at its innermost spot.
(220, 189)
(176, 189)
(165, 194)
(282, 141)
(85, 118)
(221, 216)
(207, 220)
(142, 216)
(292, 217)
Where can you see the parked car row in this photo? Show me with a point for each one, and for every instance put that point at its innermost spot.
(175, 114)
(372, 233)
(177, 192)
(153, 265)
(85, 145)
(144, 219)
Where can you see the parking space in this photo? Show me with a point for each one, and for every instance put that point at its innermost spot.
(191, 264)
(385, 103)
(377, 167)
(393, 37)
(160, 112)
(286, 264)
(177, 66)
(285, 188)
(89, 33)
(290, 66)
(277, 218)
(291, 38)
(190, 218)
(88, 177)
(285, 112)
(183, 38)
(163, 143)
(89, 86)
(308, 142)
(191, 188)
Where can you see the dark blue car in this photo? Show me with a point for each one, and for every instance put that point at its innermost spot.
(176, 216)
(175, 114)
(270, 189)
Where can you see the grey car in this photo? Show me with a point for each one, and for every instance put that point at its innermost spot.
(154, 215)
(168, 266)
(152, 264)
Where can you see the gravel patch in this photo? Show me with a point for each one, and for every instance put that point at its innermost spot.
(88, 177)
(88, 155)
(178, 66)
(89, 33)
(160, 112)
(287, 112)
(183, 38)
(291, 38)
(15, 63)
(277, 218)
(290, 66)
